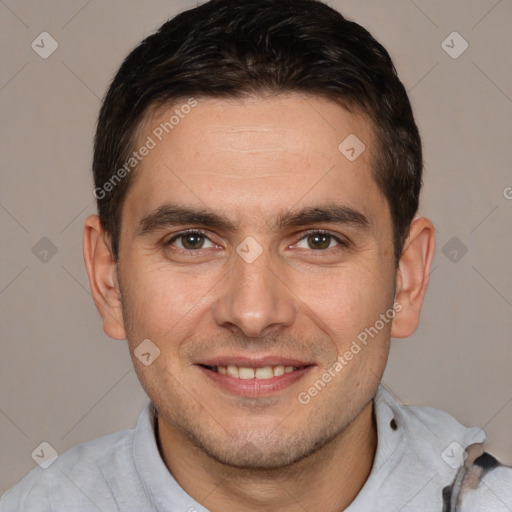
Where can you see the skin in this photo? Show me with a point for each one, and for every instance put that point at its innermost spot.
(250, 160)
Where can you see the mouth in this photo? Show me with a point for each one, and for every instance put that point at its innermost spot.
(247, 372)
(254, 379)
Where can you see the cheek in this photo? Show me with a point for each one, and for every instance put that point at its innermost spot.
(161, 301)
(349, 301)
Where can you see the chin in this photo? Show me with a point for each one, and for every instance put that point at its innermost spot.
(262, 451)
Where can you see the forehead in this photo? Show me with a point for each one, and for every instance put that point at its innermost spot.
(252, 157)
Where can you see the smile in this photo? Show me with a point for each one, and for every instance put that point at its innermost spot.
(244, 372)
(254, 382)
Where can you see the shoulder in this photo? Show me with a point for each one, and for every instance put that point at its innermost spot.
(465, 477)
(434, 437)
(481, 484)
(77, 477)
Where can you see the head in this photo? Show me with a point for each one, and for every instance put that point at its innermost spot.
(277, 133)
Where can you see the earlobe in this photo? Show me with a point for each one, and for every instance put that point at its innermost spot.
(101, 269)
(413, 276)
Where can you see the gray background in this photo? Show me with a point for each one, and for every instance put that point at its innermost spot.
(62, 380)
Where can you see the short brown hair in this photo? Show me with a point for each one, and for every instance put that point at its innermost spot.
(232, 48)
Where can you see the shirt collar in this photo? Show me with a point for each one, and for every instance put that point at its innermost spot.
(162, 489)
(167, 495)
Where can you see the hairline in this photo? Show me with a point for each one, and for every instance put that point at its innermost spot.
(157, 107)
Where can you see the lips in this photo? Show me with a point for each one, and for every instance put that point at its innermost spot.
(254, 362)
(254, 376)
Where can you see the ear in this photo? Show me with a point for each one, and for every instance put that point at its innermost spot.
(412, 276)
(101, 269)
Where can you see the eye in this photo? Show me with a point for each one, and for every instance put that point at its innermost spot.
(320, 240)
(190, 240)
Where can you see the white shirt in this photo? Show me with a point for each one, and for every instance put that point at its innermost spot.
(419, 453)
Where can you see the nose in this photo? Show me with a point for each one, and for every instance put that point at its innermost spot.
(254, 298)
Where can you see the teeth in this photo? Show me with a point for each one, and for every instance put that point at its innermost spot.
(232, 371)
(264, 372)
(278, 370)
(245, 373)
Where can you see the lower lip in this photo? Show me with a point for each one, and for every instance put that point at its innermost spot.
(255, 387)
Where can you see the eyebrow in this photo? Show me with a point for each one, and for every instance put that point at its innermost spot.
(169, 215)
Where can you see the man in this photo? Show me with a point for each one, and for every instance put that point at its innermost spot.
(257, 171)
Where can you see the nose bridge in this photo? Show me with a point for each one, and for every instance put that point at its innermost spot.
(253, 298)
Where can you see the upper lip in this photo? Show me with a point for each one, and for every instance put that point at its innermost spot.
(253, 362)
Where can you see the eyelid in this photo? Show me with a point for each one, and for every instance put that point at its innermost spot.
(341, 240)
(190, 231)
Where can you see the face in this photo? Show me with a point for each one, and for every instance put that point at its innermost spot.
(249, 240)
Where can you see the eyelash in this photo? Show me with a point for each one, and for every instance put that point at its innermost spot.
(169, 242)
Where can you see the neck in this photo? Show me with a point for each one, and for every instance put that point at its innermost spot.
(328, 479)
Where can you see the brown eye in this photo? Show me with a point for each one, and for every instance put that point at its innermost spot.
(190, 241)
(319, 240)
